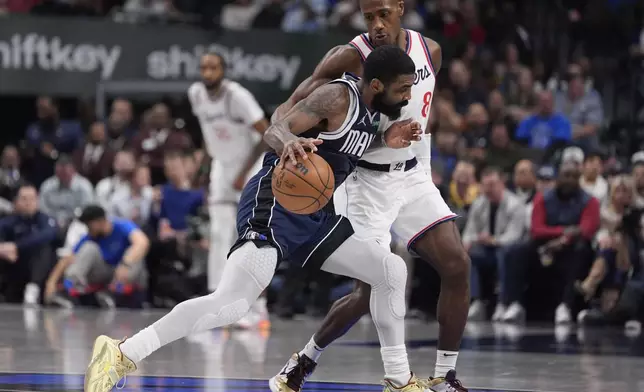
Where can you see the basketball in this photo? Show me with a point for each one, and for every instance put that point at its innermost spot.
(306, 187)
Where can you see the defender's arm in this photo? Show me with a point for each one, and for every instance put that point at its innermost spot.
(338, 60)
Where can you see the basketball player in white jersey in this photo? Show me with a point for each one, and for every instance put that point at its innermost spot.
(391, 190)
(232, 123)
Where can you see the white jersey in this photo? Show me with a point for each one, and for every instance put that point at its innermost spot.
(226, 121)
(421, 94)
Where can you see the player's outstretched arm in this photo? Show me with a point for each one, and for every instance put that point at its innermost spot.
(399, 135)
(338, 60)
(326, 106)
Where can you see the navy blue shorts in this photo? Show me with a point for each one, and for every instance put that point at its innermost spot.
(307, 240)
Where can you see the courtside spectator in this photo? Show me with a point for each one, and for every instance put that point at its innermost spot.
(108, 261)
(591, 178)
(545, 129)
(123, 166)
(464, 93)
(63, 193)
(156, 137)
(134, 202)
(26, 248)
(613, 261)
(178, 199)
(120, 128)
(564, 222)
(545, 178)
(501, 152)
(495, 221)
(463, 190)
(48, 138)
(94, 158)
(10, 177)
(525, 181)
(583, 107)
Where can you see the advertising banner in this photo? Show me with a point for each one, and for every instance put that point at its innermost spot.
(68, 57)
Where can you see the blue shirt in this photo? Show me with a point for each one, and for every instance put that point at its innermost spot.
(540, 132)
(178, 204)
(114, 245)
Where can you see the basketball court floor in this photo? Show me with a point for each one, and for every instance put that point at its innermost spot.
(47, 350)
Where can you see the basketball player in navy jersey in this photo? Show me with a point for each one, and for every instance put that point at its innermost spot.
(338, 121)
(391, 192)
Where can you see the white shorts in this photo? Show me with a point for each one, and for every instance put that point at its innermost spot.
(222, 176)
(378, 204)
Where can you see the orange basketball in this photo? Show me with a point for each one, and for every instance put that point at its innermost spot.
(306, 187)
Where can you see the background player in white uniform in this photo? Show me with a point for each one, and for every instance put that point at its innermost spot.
(232, 123)
(391, 190)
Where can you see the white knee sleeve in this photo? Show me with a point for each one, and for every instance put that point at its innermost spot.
(259, 263)
(248, 271)
(396, 280)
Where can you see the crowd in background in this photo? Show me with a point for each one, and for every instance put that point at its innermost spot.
(525, 148)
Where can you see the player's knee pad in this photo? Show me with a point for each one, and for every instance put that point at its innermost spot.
(396, 280)
(259, 263)
(227, 314)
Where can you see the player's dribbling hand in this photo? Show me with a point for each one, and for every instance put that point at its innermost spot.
(401, 133)
(298, 148)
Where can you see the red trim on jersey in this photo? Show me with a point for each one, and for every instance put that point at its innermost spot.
(426, 50)
(359, 51)
(428, 227)
(366, 41)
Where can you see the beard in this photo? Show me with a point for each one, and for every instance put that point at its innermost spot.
(211, 84)
(393, 111)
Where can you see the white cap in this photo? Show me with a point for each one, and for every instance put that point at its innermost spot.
(572, 154)
(638, 157)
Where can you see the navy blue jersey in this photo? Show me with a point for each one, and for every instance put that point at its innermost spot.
(308, 239)
(343, 147)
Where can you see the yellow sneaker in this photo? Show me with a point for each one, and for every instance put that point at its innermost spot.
(108, 365)
(412, 386)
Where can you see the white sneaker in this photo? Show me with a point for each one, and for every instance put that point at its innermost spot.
(563, 315)
(32, 294)
(477, 311)
(499, 311)
(514, 314)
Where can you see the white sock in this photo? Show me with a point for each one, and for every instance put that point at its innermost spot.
(312, 350)
(396, 365)
(445, 361)
(141, 345)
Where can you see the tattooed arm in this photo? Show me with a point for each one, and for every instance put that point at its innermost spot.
(327, 104)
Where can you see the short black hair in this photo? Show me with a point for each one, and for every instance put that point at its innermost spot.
(221, 58)
(64, 159)
(491, 170)
(592, 155)
(92, 213)
(21, 186)
(386, 63)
